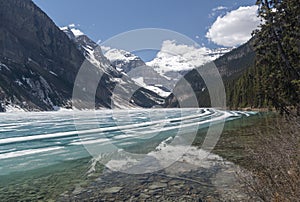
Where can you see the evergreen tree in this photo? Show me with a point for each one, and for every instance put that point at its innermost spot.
(278, 52)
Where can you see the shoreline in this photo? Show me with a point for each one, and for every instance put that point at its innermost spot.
(133, 108)
(254, 109)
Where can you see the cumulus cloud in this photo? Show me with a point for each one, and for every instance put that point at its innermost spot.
(235, 27)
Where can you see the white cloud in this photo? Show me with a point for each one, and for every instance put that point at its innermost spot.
(72, 25)
(235, 27)
(219, 8)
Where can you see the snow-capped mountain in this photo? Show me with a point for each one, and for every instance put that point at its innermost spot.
(171, 63)
(137, 70)
(175, 57)
(123, 60)
(72, 31)
(174, 60)
(114, 77)
(39, 64)
(89, 48)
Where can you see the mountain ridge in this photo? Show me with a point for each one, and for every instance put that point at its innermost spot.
(39, 64)
(166, 69)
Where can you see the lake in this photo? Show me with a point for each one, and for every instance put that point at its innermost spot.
(46, 155)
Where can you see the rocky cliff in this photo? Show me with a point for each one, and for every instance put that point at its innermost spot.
(39, 63)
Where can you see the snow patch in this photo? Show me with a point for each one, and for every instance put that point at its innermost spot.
(13, 108)
(72, 27)
(119, 56)
(139, 81)
(4, 67)
(92, 58)
(61, 109)
(158, 91)
(53, 73)
(18, 82)
(77, 32)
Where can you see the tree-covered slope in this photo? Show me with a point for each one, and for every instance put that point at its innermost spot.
(233, 66)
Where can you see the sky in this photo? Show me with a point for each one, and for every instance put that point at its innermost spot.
(211, 23)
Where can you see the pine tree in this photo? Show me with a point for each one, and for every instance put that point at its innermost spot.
(278, 52)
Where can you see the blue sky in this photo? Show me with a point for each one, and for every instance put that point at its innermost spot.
(101, 19)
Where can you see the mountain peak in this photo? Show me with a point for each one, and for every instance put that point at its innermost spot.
(39, 64)
(72, 31)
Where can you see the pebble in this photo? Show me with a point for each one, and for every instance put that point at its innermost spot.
(158, 186)
(112, 190)
(144, 196)
(174, 182)
(115, 186)
(78, 189)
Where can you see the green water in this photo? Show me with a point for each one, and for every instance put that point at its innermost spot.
(240, 134)
(46, 184)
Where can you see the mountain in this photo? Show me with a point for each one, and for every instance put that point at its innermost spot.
(126, 85)
(161, 74)
(123, 60)
(40, 61)
(183, 58)
(174, 60)
(39, 64)
(232, 67)
(134, 67)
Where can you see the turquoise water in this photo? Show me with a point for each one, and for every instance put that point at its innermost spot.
(53, 144)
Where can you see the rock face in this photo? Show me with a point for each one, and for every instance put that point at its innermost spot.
(39, 63)
(134, 67)
(234, 63)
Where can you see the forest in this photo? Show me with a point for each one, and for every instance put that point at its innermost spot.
(274, 80)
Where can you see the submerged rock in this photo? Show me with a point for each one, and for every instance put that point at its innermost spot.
(158, 186)
(112, 190)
